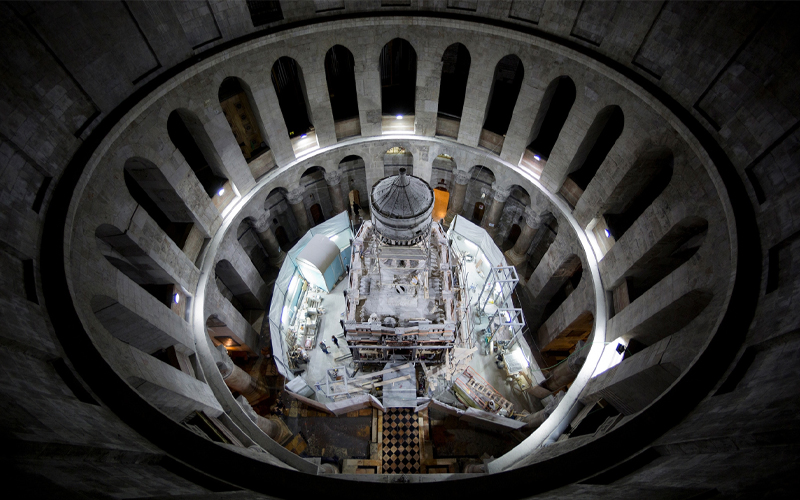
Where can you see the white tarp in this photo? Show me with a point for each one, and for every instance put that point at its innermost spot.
(316, 260)
(479, 237)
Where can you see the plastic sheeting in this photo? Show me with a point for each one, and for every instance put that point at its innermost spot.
(480, 237)
(338, 230)
(319, 262)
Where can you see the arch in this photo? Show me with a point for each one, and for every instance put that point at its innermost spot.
(248, 239)
(398, 69)
(506, 84)
(282, 214)
(354, 173)
(442, 169)
(124, 253)
(456, 61)
(149, 188)
(478, 190)
(600, 138)
(670, 252)
(313, 179)
(290, 87)
(341, 78)
(396, 158)
(638, 189)
(233, 287)
(236, 101)
(222, 335)
(553, 112)
(188, 135)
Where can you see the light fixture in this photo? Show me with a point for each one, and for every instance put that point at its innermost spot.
(304, 136)
(537, 157)
(399, 117)
(608, 233)
(176, 298)
(621, 348)
(221, 191)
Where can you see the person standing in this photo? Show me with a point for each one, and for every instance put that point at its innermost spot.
(335, 341)
(324, 347)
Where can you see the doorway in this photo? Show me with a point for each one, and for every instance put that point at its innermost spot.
(440, 200)
(477, 213)
(513, 235)
(280, 235)
(316, 213)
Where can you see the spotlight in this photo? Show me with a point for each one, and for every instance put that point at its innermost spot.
(620, 348)
(304, 136)
(608, 233)
(537, 157)
(176, 298)
(399, 117)
(221, 191)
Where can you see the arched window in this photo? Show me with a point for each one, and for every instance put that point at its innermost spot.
(341, 77)
(188, 135)
(453, 88)
(287, 77)
(235, 99)
(542, 240)
(637, 190)
(600, 138)
(506, 84)
(398, 66)
(150, 189)
(125, 254)
(553, 111)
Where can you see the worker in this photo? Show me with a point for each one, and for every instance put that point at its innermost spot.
(335, 341)
(356, 208)
(324, 347)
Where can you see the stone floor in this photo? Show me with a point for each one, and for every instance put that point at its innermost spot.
(401, 444)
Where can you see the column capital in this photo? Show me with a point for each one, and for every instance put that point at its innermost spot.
(333, 178)
(500, 193)
(260, 222)
(296, 195)
(462, 176)
(532, 219)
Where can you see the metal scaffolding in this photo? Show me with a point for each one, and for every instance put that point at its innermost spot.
(498, 287)
(508, 318)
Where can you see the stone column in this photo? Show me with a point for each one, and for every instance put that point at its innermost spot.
(272, 426)
(334, 180)
(268, 239)
(457, 197)
(563, 374)
(295, 199)
(518, 254)
(491, 220)
(239, 380)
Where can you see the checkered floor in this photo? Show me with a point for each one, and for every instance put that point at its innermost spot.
(400, 442)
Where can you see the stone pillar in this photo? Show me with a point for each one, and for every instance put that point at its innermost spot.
(518, 254)
(563, 374)
(272, 426)
(334, 180)
(268, 239)
(535, 420)
(295, 199)
(239, 380)
(457, 197)
(492, 219)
